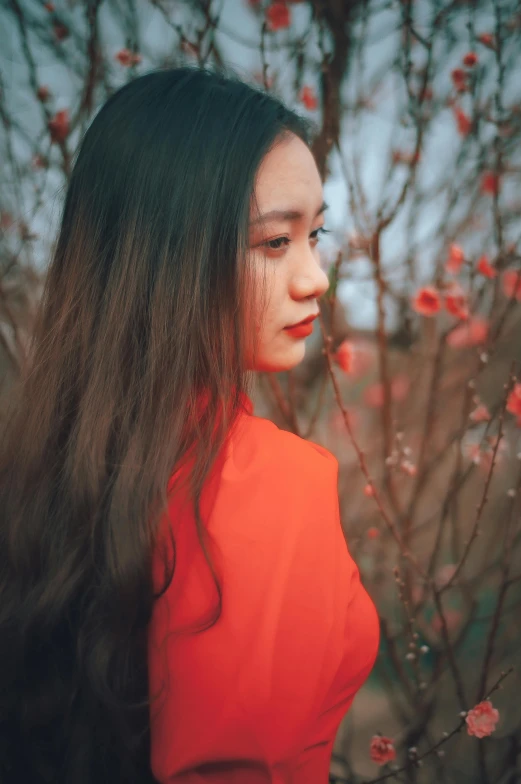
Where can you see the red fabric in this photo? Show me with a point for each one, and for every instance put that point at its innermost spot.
(259, 697)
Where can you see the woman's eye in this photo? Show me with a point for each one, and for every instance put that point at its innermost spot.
(318, 232)
(272, 244)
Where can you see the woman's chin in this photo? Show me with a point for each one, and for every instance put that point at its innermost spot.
(286, 361)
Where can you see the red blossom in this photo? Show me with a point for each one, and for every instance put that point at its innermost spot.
(427, 301)
(43, 93)
(278, 15)
(487, 39)
(61, 31)
(473, 332)
(373, 533)
(49, 7)
(455, 301)
(489, 183)
(455, 258)
(399, 156)
(127, 58)
(463, 121)
(482, 455)
(474, 452)
(470, 59)
(484, 267)
(59, 126)
(382, 749)
(480, 414)
(39, 162)
(308, 97)
(369, 490)
(123, 56)
(355, 358)
(514, 402)
(344, 356)
(459, 79)
(511, 281)
(408, 468)
(482, 719)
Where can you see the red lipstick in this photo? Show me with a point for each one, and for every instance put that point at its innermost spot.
(303, 328)
(307, 320)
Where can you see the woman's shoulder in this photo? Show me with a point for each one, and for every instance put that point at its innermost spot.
(258, 445)
(277, 493)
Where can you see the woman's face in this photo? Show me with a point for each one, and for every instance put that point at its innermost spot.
(288, 181)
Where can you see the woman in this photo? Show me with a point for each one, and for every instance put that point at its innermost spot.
(177, 601)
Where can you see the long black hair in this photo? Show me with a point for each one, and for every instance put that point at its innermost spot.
(142, 308)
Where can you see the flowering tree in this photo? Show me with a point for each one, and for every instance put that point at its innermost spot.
(410, 377)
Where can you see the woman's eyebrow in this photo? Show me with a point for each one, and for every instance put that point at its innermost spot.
(286, 215)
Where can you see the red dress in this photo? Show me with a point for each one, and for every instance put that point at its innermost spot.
(259, 697)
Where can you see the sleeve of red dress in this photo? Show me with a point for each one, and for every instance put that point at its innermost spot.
(241, 695)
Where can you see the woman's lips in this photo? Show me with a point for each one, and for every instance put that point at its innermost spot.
(300, 331)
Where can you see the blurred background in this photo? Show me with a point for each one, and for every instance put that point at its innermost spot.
(417, 110)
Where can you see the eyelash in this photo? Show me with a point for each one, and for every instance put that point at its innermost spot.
(317, 232)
